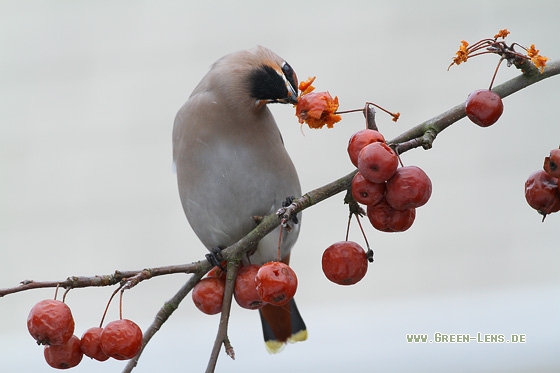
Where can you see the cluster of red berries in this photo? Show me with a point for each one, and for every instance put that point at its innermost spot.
(272, 283)
(51, 323)
(542, 190)
(390, 193)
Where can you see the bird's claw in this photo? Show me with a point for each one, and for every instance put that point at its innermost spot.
(286, 212)
(215, 258)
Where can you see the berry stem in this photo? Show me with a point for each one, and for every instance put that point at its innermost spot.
(56, 291)
(365, 111)
(369, 253)
(348, 226)
(120, 304)
(64, 295)
(108, 304)
(495, 73)
(280, 243)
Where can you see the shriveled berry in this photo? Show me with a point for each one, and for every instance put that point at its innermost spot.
(276, 283)
(359, 140)
(385, 218)
(208, 294)
(484, 107)
(91, 344)
(366, 192)
(64, 356)
(50, 322)
(541, 192)
(552, 163)
(409, 187)
(377, 162)
(344, 263)
(121, 339)
(245, 291)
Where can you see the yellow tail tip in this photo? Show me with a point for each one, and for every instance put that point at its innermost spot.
(273, 346)
(298, 337)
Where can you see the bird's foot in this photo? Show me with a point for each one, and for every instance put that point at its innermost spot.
(215, 257)
(286, 212)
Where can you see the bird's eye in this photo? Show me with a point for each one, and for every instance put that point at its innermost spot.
(290, 74)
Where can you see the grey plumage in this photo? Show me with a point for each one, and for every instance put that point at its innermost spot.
(230, 158)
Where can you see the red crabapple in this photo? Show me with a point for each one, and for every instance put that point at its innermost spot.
(91, 344)
(366, 192)
(385, 218)
(359, 140)
(50, 322)
(245, 291)
(541, 192)
(484, 107)
(552, 163)
(121, 339)
(208, 295)
(344, 262)
(377, 162)
(64, 356)
(408, 187)
(276, 283)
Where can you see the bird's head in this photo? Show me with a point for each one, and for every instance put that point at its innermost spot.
(255, 78)
(271, 79)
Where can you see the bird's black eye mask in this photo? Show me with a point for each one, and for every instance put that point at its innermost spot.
(290, 75)
(266, 84)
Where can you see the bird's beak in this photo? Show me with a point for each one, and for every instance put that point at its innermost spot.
(292, 94)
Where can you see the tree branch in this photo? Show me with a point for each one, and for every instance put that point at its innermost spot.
(421, 135)
(131, 278)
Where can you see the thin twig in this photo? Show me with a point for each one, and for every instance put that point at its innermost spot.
(222, 335)
(134, 277)
(165, 312)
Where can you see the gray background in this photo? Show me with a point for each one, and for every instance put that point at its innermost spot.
(88, 93)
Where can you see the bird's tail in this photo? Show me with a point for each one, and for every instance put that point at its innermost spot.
(281, 325)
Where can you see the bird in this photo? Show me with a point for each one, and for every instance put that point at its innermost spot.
(232, 165)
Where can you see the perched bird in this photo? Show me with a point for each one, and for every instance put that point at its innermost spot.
(232, 165)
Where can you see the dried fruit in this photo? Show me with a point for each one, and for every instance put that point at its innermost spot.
(409, 187)
(377, 162)
(91, 344)
(385, 218)
(366, 192)
(552, 163)
(541, 192)
(359, 140)
(344, 263)
(276, 283)
(50, 322)
(64, 356)
(208, 294)
(121, 339)
(317, 109)
(245, 291)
